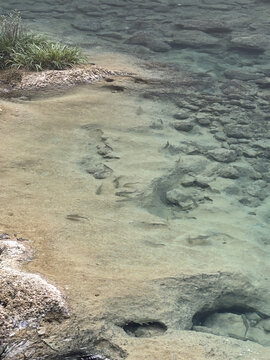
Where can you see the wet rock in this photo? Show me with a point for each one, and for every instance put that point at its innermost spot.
(85, 8)
(198, 181)
(188, 180)
(145, 329)
(265, 324)
(203, 119)
(87, 25)
(258, 335)
(237, 131)
(263, 83)
(97, 169)
(238, 90)
(226, 324)
(258, 189)
(240, 75)
(233, 190)
(250, 201)
(25, 299)
(180, 198)
(205, 25)
(157, 124)
(183, 125)
(220, 136)
(222, 155)
(229, 172)
(250, 153)
(4, 236)
(111, 35)
(251, 43)
(181, 115)
(148, 41)
(194, 39)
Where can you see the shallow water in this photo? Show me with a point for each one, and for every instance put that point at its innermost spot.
(121, 202)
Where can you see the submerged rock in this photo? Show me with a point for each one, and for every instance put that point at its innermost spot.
(253, 43)
(149, 42)
(181, 199)
(222, 155)
(205, 25)
(183, 125)
(194, 39)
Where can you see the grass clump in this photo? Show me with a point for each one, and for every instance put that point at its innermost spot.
(21, 49)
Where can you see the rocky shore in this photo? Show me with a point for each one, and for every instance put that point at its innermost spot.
(26, 300)
(15, 81)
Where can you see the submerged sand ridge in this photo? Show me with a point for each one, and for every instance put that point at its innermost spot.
(147, 213)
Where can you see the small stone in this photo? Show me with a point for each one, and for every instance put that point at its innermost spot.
(41, 332)
(237, 131)
(205, 25)
(264, 83)
(232, 190)
(202, 182)
(250, 153)
(258, 335)
(229, 172)
(203, 119)
(183, 126)
(240, 75)
(181, 115)
(227, 324)
(188, 181)
(250, 43)
(250, 201)
(157, 124)
(194, 39)
(4, 236)
(222, 155)
(265, 324)
(179, 198)
(253, 317)
(220, 136)
(149, 41)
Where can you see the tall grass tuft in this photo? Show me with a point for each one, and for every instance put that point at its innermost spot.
(22, 49)
(11, 28)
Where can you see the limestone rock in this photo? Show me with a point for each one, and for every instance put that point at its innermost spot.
(181, 199)
(181, 115)
(265, 324)
(194, 39)
(222, 155)
(229, 172)
(205, 25)
(258, 335)
(149, 41)
(240, 75)
(26, 299)
(87, 25)
(183, 126)
(237, 131)
(253, 43)
(226, 324)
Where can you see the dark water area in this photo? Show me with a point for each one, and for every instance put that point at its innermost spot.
(149, 201)
(216, 37)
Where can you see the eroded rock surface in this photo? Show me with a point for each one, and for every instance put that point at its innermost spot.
(26, 299)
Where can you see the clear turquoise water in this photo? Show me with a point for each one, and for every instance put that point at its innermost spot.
(188, 187)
